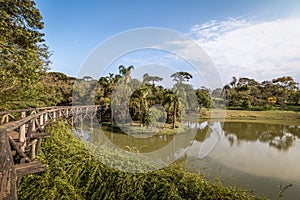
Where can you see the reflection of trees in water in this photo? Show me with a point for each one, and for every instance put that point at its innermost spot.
(202, 130)
(281, 137)
(201, 134)
(294, 130)
(103, 136)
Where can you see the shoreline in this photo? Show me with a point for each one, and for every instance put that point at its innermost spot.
(218, 115)
(270, 116)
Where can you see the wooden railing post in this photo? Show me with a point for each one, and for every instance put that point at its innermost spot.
(46, 118)
(42, 121)
(22, 132)
(8, 178)
(33, 149)
(32, 122)
(81, 127)
(54, 116)
(92, 118)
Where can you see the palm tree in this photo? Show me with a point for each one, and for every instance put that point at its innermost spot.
(141, 95)
(125, 72)
(107, 85)
(171, 101)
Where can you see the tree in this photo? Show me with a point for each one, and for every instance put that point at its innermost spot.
(125, 72)
(140, 95)
(172, 102)
(23, 54)
(203, 97)
(233, 82)
(286, 89)
(147, 78)
(57, 89)
(217, 93)
(84, 92)
(181, 76)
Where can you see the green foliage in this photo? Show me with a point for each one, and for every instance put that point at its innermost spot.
(203, 97)
(249, 94)
(83, 91)
(181, 76)
(55, 89)
(262, 108)
(23, 55)
(157, 114)
(73, 173)
(147, 79)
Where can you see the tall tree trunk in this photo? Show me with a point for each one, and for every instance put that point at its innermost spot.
(174, 116)
(141, 114)
(111, 116)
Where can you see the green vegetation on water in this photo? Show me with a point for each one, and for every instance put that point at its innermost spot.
(74, 173)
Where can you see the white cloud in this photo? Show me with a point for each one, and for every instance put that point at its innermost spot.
(238, 47)
(260, 50)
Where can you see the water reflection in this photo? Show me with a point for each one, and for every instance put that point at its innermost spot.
(255, 152)
(157, 150)
(281, 137)
(261, 155)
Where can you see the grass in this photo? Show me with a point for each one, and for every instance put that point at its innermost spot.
(74, 173)
(135, 128)
(270, 116)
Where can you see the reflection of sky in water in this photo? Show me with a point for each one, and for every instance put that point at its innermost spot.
(199, 125)
(258, 158)
(255, 157)
(212, 137)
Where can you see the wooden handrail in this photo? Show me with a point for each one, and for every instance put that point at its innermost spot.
(8, 178)
(27, 109)
(42, 108)
(26, 128)
(15, 124)
(10, 112)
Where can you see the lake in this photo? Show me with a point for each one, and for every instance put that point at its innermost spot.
(261, 157)
(256, 156)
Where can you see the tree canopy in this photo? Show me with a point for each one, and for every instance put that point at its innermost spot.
(250, 94)
(23, 54)
(181, 76)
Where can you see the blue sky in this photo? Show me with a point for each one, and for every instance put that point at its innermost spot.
(240, 37)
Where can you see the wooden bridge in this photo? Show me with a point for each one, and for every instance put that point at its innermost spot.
(21, 134)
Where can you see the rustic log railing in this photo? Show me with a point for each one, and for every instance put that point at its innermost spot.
(21, 134)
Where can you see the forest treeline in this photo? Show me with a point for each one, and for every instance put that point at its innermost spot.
(249, 94)
(25, 80)
(56, 88)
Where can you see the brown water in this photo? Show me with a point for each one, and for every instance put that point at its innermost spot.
(257, 156)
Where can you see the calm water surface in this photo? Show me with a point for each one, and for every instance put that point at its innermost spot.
(257, 156)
